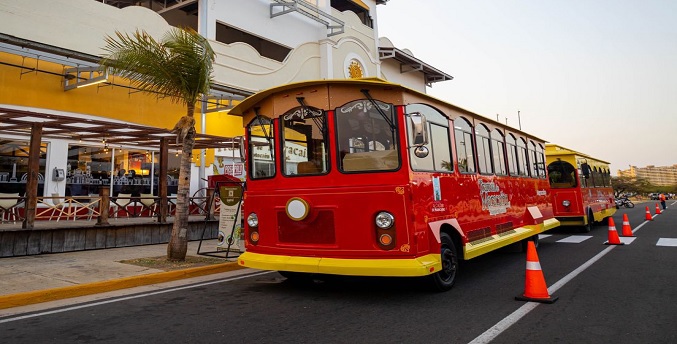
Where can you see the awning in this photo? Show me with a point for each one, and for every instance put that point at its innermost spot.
(409, 63)
(95, 130)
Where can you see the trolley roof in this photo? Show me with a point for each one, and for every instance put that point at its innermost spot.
(256, 98)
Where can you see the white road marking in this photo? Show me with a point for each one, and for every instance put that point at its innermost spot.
(666, 242)
(627, 240)
(575, 239)
(515, 316)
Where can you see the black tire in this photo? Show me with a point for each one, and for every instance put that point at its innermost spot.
(588, 227)
(301, 277)
(525, 242)
(444, 279)
(629, 204)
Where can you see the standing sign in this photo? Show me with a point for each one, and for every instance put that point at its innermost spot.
(230, 224)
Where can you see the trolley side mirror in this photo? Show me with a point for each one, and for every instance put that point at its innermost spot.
(419, 129)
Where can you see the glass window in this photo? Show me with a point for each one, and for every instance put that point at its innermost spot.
(562, 175)
(595, 177)
(367, 137)
(522, 162)
(464, 145)
(533, 161)
(441, 152)
(483, 149)
(14, 166)
(305, 140)
(540, 161)
(261, 148)
(511, 145)
(439, 158)
(498, 152)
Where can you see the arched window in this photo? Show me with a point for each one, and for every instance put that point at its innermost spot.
(367, 136)
(540, 161)
(305, 141)
(439, 158)
(511, 146)
(562, 175)
(533, 161)
(261, 148)
(522, 162)
(464, 145)
(498, 152)
(483, 149)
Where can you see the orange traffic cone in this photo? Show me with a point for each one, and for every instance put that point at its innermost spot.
(535, 289)
(647, 214)
(627, 230)
(658, 209)
(613, 234)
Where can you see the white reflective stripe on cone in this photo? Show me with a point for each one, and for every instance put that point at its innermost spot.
(533, 266)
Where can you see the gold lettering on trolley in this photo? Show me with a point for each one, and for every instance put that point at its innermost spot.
(399, 190)
(405, 248)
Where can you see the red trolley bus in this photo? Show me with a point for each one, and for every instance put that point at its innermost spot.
(370, 178)
(580, 186)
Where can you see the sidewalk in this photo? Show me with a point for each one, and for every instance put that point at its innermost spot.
(41, 278)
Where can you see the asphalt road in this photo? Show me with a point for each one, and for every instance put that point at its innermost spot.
(607, 294)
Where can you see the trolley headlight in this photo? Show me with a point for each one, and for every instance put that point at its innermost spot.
(384, 220)
(253, 220)
(566, 203)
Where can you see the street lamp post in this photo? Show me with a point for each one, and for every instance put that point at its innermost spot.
(519, 120)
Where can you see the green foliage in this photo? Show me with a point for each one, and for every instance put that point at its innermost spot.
(179, 66)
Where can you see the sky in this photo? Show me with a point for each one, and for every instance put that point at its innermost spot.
(596, 76)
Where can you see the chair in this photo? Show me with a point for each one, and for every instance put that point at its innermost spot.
(148, 202)
(8, 206)
(122, 201)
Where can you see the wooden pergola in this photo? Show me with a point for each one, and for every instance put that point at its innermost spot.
(89, 129)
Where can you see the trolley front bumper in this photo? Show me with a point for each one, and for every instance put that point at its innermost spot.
(419, 266)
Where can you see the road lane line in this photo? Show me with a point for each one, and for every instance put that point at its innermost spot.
(125, 298)
(515, 316)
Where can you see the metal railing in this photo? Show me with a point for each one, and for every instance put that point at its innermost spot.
(74, 208)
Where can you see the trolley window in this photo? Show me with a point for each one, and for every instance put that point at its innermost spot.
(439, 158)
(304, 141)
(464, 145)
(261, 148)
(367, 136)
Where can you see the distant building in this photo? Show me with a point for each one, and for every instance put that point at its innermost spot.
(656, 175)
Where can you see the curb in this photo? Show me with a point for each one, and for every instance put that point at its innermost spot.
(40, 296)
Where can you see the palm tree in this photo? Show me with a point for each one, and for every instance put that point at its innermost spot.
(178, 67)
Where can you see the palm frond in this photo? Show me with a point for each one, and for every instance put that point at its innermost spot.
(179, 66)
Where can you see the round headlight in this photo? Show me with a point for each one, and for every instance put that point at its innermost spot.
(253, 220)
(566, 203)
(385, 220)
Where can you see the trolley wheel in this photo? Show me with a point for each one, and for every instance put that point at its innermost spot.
(588, 227)
(525, 242)
(444, 279)
(299, 278)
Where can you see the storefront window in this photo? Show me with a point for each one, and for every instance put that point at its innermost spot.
(126, 171)
(14, 166)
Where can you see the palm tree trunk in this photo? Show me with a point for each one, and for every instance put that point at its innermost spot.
(178, 242)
